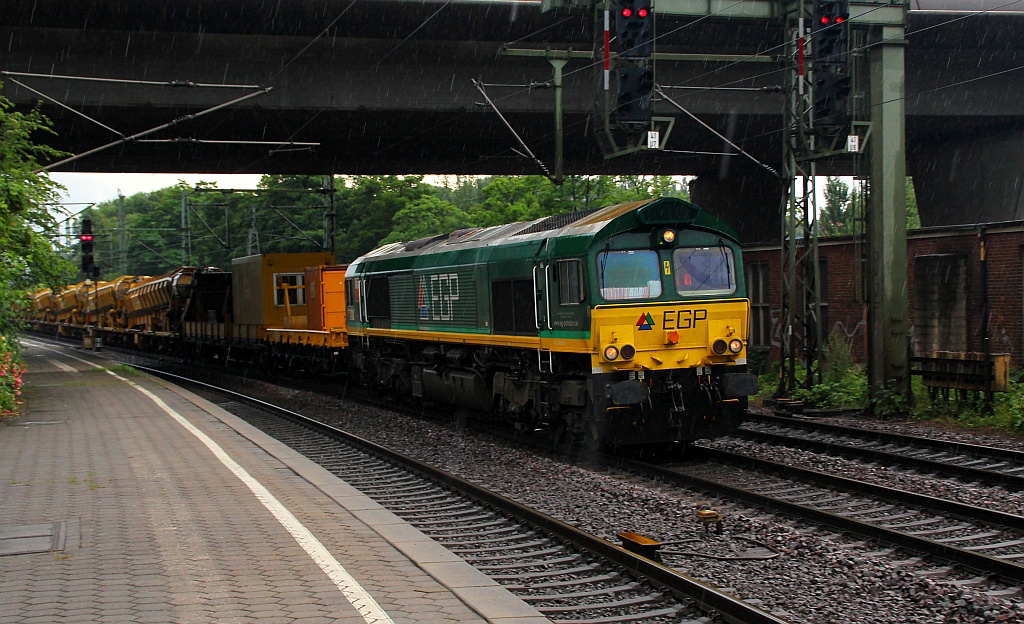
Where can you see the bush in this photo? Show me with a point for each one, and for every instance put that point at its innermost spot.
(889, 403)
(844, 383)
(838, 357)
(849, 390)
(11, 370)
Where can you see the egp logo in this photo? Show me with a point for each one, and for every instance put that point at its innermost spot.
(437, 296)
(646, 322)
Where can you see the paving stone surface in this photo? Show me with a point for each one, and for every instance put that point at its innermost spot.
(158, 530)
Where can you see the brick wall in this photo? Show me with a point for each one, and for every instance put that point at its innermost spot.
(844, 298)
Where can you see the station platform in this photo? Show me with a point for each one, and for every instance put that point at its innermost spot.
(127, 499)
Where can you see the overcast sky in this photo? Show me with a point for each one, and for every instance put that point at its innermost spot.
(89, 188)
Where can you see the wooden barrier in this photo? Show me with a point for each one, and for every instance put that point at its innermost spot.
(963, 370)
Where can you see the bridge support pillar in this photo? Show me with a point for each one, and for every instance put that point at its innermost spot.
(966, 180)
(749, 202)
(888, 301)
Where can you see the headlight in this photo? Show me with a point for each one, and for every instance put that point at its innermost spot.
(628, 351)
(611, 353)
(668, 237)
(719, 346)
(735, 345)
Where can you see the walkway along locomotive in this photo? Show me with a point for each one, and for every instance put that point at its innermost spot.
(618, 326)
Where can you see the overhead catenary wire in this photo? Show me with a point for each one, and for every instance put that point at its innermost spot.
(414, 31)
(320, 34)
(526, 148)
(254, 163)
(169, 124)
(585, 68)
(279, 146)
(230, 142)
(314, 40)
(694, 23)
(289, 144)
(61, 104)
(387, 147)
(865, 47)
(156, 83)
(658, 90)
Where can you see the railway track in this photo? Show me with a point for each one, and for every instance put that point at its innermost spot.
(812, 567)
(990, 543)
(566, 574)
(970, 462)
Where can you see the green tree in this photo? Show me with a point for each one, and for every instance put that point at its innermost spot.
(152, 233)
(222, 225)
(913, 215)
(462, 191)
(366, 208)
(288, 215)
(28, 258)
(28, 231)
(634, 188)
(836, 217)
(427, 216)
(508, 200)
(370, 210)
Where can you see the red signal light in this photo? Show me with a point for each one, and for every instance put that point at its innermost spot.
(840, 20)
(642, 12)
(86, 237)
(824, 20)
(627, 12)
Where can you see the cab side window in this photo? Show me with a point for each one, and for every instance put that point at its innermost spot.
(570, 282)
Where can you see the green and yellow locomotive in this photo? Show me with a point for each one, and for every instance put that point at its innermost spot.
(619, 326)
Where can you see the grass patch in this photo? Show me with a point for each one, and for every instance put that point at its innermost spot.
(123, 369)
(845, 385)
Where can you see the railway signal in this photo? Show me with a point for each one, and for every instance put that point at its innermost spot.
(831, 94)
(830, 52)
(86, 248)
(636, 85)
(830, 32)
(634, 28)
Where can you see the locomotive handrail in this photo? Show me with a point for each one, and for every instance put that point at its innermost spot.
(536, 312)
(364, 307)
(547, 293)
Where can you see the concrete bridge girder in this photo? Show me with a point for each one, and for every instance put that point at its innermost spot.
(970, 180)
(748, 201)
(372, 110)
(388, 88)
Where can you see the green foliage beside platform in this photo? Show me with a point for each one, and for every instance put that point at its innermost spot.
(28, 257)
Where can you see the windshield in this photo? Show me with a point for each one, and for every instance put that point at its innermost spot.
(626, 275)
(704, 270)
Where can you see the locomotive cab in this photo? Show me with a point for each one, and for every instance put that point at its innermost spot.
(670, 333)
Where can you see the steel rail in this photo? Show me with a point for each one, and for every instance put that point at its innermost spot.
(976, 561)
(708, 598)
(885, 437)
(889, 457)
(991, 477)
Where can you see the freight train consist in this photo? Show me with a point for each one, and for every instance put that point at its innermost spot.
(620, 326)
